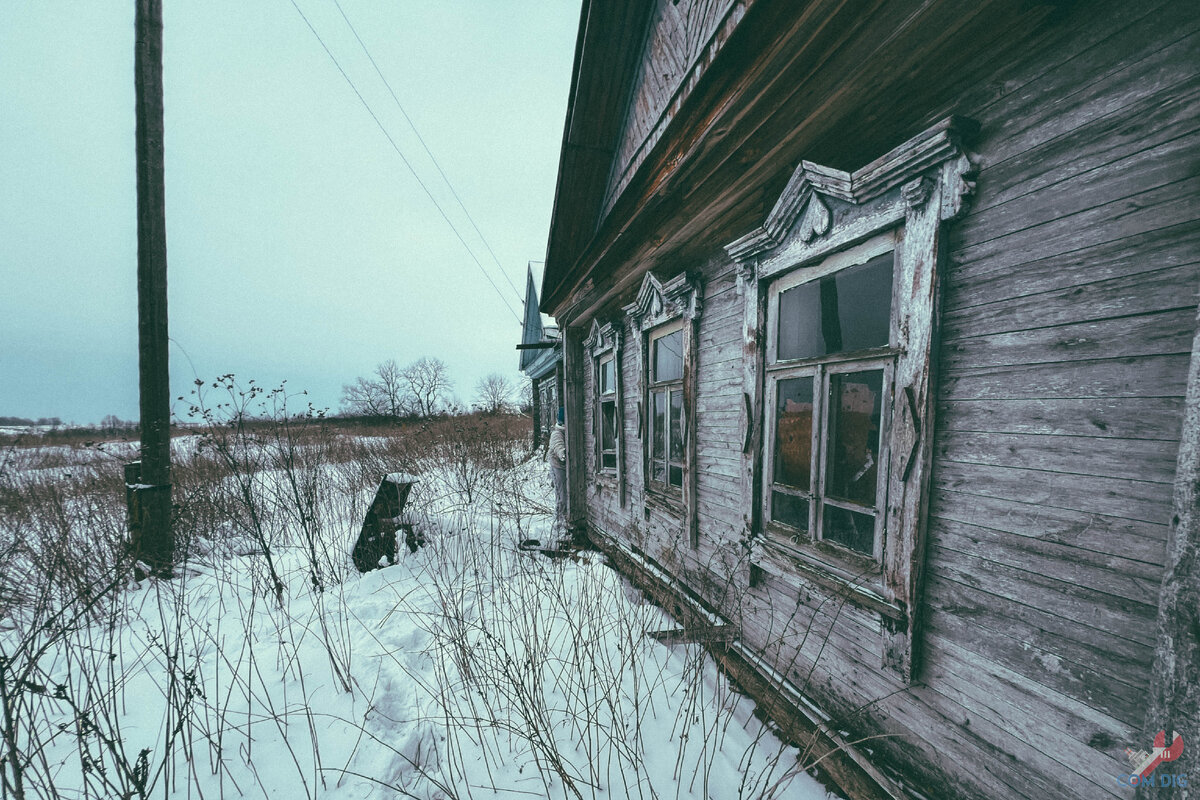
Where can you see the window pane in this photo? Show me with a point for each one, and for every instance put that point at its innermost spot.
(676, 475)
(609, 460)
(606, 377)
(850, 529)
(658, 471)
(658, 426)
(676, 428)
(851, 468)
(793, 432)
(790, 510)
(608, 426)
(668, 357)
(800, 322)
(846, 311)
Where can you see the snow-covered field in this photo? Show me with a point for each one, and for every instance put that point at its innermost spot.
(469, 669)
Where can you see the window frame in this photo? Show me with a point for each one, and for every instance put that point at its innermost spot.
(606, 397)
(657, 305)
(669, 387)
(604, 345)
(829, 553)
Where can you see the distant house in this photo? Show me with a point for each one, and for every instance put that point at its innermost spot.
(877, 319)
(541, 361)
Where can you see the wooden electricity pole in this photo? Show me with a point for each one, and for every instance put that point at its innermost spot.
(150, 495)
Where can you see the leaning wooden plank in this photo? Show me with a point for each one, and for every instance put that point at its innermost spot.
(702, 634)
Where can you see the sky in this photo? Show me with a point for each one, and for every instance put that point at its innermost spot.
(299, 245)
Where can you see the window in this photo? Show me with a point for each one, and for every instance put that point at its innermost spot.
(604, 345)
(829, 371)
(665, 397)
(665, 319)
(606, 404)
(840, 404)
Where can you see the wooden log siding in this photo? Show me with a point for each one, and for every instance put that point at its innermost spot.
(1065, 335)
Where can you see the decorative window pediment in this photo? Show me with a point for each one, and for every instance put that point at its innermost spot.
(602, 338)
(931, 163)
(657, 303)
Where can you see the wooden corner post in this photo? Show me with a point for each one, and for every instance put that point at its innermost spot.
(1174, 688)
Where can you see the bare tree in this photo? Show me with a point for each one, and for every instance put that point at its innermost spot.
(525, 397)
(364, 397)
(427, 384)
(494, 393)
(391, 388)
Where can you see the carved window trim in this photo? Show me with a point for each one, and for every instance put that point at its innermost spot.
(912, 191)
(658, 304)
(602, 345)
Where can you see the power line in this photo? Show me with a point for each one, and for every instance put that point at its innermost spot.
(428, 152)
(396, 147)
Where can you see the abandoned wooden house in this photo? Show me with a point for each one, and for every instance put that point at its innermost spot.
(877, 319)
(541, 362)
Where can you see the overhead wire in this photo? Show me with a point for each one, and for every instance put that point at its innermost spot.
(407, 164)
(428, 152)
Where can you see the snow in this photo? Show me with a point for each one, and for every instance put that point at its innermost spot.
(468, 670)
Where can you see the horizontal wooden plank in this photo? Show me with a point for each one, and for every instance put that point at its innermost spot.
(1160, 248)
(1129, 578)
(1134, 500)
(1115, 417)
(1088, 531)
(1102, 187)
(1087, 743)
(1125, 296)
(1155, 209)
(1084, 613)
(1163, 333)
(1150, 460)
(1038, 665)
(1103, 80)
(1149, 376)
(1100, 140)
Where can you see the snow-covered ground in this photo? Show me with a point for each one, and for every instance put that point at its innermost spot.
(469, 669)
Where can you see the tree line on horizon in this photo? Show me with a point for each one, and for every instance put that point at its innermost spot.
(423, 389)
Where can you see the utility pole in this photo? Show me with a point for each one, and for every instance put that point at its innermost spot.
(149, 492)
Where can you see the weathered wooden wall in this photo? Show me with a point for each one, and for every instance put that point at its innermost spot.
(1069, 297)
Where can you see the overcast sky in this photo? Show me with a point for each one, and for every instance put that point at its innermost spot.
(299, 245)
